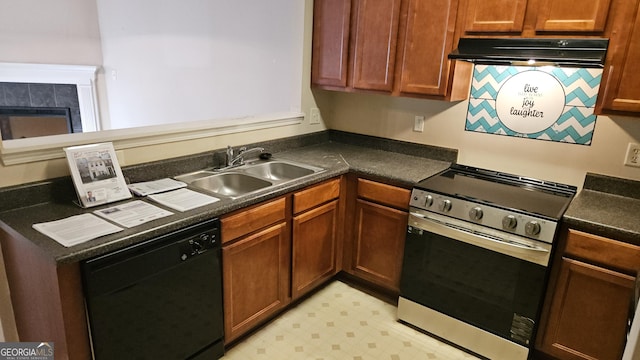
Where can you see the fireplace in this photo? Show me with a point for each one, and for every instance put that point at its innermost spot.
(26, 122)
(52, 88)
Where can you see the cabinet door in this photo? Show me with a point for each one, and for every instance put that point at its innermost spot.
(428, 38)
(375, 39)
(588, 313)
(573, 15)
(622, 87)
(379, 244)
(495, 16)
(314, 248)
(331, 21)
(255, 279)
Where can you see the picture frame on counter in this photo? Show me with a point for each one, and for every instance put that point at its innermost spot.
(96, 174)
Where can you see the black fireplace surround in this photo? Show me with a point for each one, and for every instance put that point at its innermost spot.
(35, 99)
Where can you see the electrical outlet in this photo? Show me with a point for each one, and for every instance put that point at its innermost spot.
(418, 125)
(632, 157)
(315, 118)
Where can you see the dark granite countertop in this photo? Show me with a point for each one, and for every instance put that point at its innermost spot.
(608, 207)
(336, 157)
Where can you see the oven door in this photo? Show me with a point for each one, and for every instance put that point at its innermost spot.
(486, 278)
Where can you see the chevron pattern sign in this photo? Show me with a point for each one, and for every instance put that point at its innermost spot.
(544, 103)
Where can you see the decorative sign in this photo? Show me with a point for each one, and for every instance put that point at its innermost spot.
(545, 103)
(530, 102)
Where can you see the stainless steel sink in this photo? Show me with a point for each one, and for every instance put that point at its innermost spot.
(229, 184)
(278, 171)
(248, 178)
(191, 177)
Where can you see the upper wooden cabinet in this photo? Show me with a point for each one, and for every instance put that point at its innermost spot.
(529, 18)
(427, 37)
(397, 47)
(374, 43)
(620, 87)
(331, 22)
(495, 16)
(573, 15)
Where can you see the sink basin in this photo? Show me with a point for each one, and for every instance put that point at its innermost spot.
(191, 177)
(278, 171)
(229, 184)
(242, 180)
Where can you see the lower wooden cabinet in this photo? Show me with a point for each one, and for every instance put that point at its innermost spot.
(256, 279)
(277, 251)
(314, 248)
(379, 244)
(590, 299)
(255, 267)
(315, 236)
(589, 312)
(377, 233)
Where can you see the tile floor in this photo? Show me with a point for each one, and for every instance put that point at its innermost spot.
(342, 323)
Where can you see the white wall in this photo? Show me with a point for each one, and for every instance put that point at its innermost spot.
(168, 61)
(87, 15)
(165, 61)
(50, 32)
(385, 116)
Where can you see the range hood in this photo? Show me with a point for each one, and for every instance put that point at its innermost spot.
(584, 53)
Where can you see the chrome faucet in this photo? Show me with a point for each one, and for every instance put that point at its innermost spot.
(238, 159)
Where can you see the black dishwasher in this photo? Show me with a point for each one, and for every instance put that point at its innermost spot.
(160, 299)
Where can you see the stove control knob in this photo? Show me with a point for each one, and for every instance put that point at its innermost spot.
(445, 205)
(428, 201)
(509, 222)
(475, 213)
(532, 228)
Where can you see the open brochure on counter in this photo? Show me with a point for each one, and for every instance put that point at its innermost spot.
(77, 229)
(80, 228)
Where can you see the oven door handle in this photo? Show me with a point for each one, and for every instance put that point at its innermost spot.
(535, 254)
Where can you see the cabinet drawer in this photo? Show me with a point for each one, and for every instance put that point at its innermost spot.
(249, 220)
(614, 254)
(316, 195)
(384, 194)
